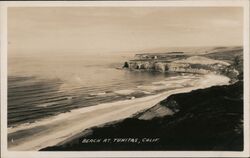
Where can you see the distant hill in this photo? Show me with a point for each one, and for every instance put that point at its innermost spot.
(191, 50)
(201, 60)
(226, 54)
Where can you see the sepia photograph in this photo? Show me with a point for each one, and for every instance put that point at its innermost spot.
(113, 77)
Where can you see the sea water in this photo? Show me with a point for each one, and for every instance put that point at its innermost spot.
(43, 86)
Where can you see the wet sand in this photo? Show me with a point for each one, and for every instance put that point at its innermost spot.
(54, 130)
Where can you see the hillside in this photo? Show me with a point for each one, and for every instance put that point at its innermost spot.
(227, 61)
(206, 119)
(201, 60)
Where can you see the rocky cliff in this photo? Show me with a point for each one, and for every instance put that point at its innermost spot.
(190, 64)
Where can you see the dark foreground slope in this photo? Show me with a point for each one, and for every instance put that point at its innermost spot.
(207, 119)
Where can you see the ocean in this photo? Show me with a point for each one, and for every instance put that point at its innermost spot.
(44, 86)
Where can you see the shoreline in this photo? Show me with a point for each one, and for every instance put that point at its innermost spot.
(58, 129)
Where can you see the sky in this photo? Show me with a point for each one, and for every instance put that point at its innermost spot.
(112, 29)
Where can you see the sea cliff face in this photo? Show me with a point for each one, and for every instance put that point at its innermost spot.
(185, 64)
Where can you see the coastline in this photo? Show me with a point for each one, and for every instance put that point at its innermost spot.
(213, 121)
(61, 127)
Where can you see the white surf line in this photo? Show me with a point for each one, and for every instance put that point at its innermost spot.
(48, 120)
(76, 121)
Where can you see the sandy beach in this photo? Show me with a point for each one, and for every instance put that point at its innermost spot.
(56, 129)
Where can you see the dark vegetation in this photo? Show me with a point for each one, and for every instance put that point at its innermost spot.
(209, 119)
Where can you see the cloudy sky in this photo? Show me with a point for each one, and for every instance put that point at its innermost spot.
(110, 30)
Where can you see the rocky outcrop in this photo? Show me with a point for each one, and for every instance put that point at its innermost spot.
(161, 66)
(143, 65)
(225, 61)
(203, 66)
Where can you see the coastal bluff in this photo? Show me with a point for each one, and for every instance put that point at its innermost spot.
(181, 62)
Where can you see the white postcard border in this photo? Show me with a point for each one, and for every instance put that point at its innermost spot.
(26, 154)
